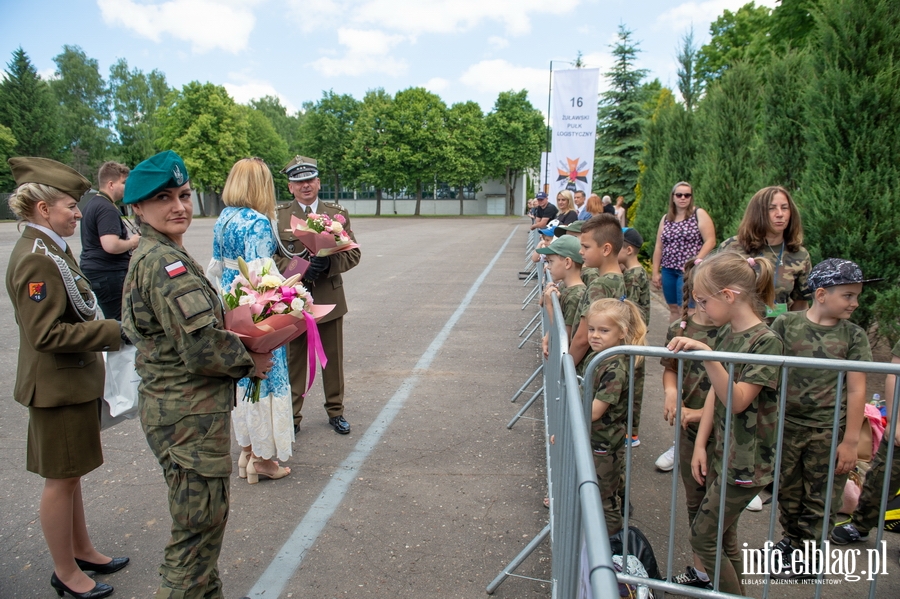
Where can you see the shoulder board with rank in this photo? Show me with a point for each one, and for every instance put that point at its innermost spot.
(334, 205)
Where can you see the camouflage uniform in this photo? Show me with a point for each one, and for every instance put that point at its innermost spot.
(608, 435)
(750, 464)
(589, 274)
(792, 270)
(809, 415)
(188, 365)
(695, 386)
(604, 286)
(569, 301)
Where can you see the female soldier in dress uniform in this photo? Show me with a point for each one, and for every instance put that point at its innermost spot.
(60, 373)
(188, 365)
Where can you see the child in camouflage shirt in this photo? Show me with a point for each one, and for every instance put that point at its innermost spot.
(564, 263)
(611, 322)
(822, 331)
(733, 294)
(637, 289)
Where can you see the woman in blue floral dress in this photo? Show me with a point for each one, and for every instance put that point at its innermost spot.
(246, 229)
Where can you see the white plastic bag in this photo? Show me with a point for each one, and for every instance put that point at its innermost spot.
(120, 394)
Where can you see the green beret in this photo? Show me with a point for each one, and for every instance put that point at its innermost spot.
(151, 176)
(49, 172)
(565, 246)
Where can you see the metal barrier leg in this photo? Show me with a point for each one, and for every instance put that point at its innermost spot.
(531, 295)
(527, 337)
(529, 549)
(530, 322)
(529, 277)
(524, 409)
(528, 382)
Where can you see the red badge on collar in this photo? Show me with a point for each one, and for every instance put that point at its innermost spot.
(37, 291)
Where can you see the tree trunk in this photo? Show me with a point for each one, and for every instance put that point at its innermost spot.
(507, 183)
(337, 189)
(513, 176)
(459, 192)
(377, 201)
(418, 196)
(200, 202)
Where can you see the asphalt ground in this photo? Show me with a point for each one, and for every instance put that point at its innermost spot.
(429, 496)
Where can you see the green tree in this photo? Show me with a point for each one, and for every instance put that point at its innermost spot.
(418, 129)
(736, 36)
(848, 196)
(28, 109)
(327, 132)
(792, 23)
(620, 119)
(208, 130)
(136, 97)
(465, 147)
(83, 108)
(690, 85)
(726, 176)
(264, 142)
(7, 149)
(287, 126)
(369, 159)
(513, 142)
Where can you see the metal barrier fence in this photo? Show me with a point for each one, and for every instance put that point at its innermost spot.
(576, 517)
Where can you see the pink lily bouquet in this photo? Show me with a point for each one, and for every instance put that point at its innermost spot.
(268, 311)
(321, 234)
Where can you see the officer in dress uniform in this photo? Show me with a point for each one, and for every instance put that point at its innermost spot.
(188, 365)
(323, 279)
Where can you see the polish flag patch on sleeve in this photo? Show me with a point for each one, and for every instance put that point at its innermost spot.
(175, 269)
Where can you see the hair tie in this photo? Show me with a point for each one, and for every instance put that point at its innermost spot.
(751, 262)
(683, 324)
(698, 261)
(623, 298)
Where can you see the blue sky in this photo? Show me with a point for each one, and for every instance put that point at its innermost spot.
(295, 49)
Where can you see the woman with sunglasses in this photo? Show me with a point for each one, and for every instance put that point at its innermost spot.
(685, 231)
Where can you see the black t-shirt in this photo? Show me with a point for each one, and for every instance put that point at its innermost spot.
(549, 212)
(609, 209)
(568, 218)
(101, 217)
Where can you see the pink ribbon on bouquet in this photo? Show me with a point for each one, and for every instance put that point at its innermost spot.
(314, 349)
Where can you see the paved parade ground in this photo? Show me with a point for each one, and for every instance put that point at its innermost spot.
(429, 496)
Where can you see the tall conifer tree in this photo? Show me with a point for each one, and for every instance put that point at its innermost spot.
(28, 109)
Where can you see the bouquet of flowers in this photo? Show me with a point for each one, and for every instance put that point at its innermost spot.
(321, 234)
(267, 311)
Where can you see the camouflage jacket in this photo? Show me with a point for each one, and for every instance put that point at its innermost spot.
(589, 274)
(791, 271)
(608, 285)
(811, 392)
(187, 361)
(751, 459)
(695, 385)
(569, 301)
(637, 289)
(611, 386)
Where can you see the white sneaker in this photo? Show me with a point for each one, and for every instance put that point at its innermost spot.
(666, 461)
(755, 505)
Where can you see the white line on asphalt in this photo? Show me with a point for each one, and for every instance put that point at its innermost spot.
(290, 556)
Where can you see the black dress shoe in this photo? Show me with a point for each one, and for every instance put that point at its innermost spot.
(340, 425)
(114, 565)
(99, 590)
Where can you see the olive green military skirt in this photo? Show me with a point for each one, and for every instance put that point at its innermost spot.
(64, 442)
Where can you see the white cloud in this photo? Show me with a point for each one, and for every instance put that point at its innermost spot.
(699, 14)
(367, 51)
(247, 88)
(497, 43)
(437, 85)
(495, 76)
(205, 24)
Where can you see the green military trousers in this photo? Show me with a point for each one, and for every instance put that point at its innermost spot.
(195, 457)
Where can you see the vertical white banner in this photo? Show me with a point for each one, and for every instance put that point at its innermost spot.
(573, 118)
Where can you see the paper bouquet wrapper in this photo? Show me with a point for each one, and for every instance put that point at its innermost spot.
(320, 244)
(275, 331)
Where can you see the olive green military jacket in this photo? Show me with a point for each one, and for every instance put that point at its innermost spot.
(59, 360)
(329, 289)
(187, 361)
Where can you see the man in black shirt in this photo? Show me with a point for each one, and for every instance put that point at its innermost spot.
(105, 243)
(544, 213)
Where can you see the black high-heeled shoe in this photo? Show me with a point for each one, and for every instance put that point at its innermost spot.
(99, 590)
(114, 565)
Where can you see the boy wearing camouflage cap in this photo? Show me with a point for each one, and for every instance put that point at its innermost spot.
(564, 262)
(822, 331)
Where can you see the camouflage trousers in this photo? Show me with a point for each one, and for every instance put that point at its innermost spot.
(705, 529)
(804, 483)
(609, 462)
(195, 457)
(693, 491)
(865, 518)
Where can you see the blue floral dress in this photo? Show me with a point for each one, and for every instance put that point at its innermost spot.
(267, 426)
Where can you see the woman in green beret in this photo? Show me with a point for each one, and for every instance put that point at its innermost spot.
(60, 372)
(188, 365)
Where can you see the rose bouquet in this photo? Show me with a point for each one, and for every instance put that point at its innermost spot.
(268, 311)
(321, 234)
